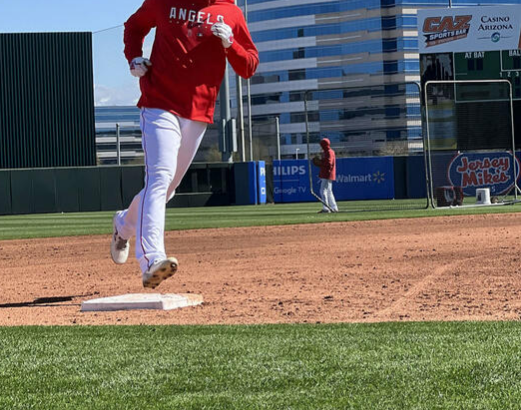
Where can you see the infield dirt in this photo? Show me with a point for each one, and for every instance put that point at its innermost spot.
(443, 268)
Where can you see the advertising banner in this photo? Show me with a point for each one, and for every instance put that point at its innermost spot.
(356, 179)
(472, 170)
(469, 29)
(261, 183)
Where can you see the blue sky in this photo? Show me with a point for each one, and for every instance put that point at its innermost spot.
(113, 83)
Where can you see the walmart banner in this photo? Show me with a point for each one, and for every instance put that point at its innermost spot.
(356, 178)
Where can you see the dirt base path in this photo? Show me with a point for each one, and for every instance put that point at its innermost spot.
(455, 268)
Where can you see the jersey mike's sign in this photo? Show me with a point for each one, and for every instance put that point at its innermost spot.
(486, 28)
(483, 170)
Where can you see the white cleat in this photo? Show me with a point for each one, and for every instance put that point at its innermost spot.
(119, 247)
(159, 271)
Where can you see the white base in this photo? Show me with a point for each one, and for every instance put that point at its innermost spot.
(133, 301)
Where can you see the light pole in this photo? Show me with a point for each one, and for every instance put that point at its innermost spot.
(296, 152)
(226, 143)
(248, 94)
(240, 116)
(277, 131)
(118, 144)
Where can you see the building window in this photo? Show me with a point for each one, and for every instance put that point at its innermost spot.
(392, 112)
(300, 53)
(390, 67)
(296, 75)
(296, 96)
(390, 45)
(393, 135)
(392, 89)
(296, 117)
(388, 23)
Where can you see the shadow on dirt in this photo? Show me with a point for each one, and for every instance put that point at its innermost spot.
(46, 301)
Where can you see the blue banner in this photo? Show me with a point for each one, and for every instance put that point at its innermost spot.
(473, 170)
(356, 179)
(261, 182)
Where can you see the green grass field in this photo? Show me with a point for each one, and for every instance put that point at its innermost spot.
(379, 366)
(347, 366)
(51, 225)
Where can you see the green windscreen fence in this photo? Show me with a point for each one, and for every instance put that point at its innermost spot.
(22, 201)
(5, 193)
(86, 189)
(110, 188)
(43, 191)
(67, 199)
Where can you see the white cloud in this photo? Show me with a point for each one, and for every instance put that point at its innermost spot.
(123, 95)
(114, 84)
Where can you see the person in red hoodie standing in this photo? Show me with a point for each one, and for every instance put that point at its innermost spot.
(179, 86)
(327, 175)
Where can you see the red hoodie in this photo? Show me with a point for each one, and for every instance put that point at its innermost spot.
(328, 165)
(188, 61)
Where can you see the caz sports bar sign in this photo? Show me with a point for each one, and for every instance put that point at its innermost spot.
(462, 29)
(483, 170)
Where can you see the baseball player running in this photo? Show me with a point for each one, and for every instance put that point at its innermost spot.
(179, 85)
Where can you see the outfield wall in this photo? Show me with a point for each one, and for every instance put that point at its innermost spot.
(360, 178)
(91, 189)
(48, 190)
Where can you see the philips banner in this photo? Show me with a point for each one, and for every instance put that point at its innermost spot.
(356, 179)
(467, 29)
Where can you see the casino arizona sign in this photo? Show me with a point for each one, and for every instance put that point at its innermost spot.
(484, 170)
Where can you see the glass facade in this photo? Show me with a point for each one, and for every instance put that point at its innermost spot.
(111, 120)
(356, 63)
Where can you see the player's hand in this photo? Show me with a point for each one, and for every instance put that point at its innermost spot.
(223, 31)
(139, 66)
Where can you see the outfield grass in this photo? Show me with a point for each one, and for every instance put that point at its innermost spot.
(53, 225)
(373, 366)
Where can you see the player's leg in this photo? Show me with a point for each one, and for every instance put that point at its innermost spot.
(331, 197)
(124, 228)
(323, 195)
(161, 142)
(125, 221)
(144, 218)
(192, 133)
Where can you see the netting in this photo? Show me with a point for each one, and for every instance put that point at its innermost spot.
(264, 144)
(470, 142)
(376, 133)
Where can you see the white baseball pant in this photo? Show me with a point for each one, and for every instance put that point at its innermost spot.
(326, 193)
(169, 144)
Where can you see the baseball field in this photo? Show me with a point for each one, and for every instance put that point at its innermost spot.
(415, 309)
